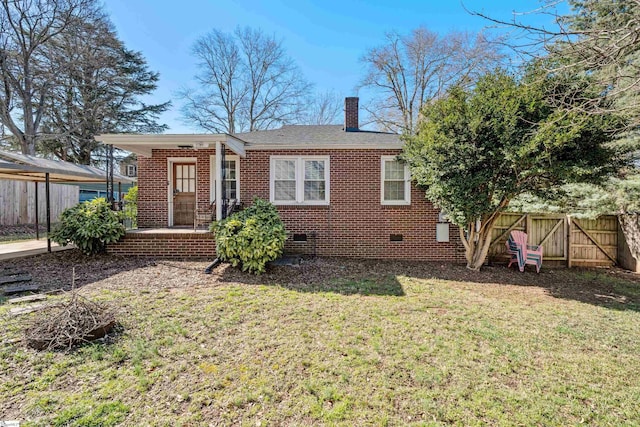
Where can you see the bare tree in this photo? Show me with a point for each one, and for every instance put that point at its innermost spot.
(411, 70)
(27, 61)
(247, 82)
(598, 39)
(325, 108)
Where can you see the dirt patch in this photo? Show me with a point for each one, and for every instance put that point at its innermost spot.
(20, 232)
(347, 276)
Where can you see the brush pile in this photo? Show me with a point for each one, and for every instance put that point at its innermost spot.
(68, 324)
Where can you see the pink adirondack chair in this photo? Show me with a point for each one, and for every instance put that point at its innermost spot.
(521, 253)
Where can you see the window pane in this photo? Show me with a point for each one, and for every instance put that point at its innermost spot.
(394, 190)
(178, 171)
(231, 189)
(314, 190)
(314, 169)
(285, 169)
(192, 171)
(192, 185)
(285, 190)
(393, 170)
(230, 169)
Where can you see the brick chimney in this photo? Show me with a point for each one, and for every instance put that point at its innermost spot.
(351, 114)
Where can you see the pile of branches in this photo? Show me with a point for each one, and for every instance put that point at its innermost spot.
(68, 324)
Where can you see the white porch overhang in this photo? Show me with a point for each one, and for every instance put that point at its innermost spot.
(144, 144)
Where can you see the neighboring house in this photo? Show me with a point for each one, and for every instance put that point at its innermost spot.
(129, 166)
(93, 191)
(340, 190)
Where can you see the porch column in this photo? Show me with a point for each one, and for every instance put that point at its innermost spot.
(48, 195)
(218, 181)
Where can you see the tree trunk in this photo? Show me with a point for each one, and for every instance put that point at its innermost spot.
(630, 226)
(476, 243)
(23, 215)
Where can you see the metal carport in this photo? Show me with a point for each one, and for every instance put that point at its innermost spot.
(34, 169)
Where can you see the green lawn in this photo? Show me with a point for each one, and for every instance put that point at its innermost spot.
(341, 343)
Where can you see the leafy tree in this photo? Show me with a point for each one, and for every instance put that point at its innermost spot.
(409, 71)
(98, 90)
(247, 82)
(28, 60)
(598, 38)
(616, 195)
(477, 149)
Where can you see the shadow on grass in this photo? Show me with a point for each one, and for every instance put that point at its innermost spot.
(321, 275)
(607, 287)
(67, 269)
(611, 288)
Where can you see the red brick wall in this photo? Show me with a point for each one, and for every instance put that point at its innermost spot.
(153, 182)
(166, 245)
(355, 224)
(351, 113)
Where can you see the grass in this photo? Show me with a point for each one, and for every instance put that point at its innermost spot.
(389, 349)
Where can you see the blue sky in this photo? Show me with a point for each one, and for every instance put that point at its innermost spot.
(326, 38)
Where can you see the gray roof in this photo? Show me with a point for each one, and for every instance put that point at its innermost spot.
(333, 136)
(30, 168)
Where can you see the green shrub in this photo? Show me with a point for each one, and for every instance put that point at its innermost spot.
(130, 208)
(250, 238)
(89, 226)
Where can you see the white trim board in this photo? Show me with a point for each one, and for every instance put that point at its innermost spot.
(407, 183)
(212, 175)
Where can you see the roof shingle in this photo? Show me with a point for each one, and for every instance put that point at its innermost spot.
(292, 135)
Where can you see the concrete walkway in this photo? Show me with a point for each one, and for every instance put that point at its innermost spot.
(28, 248)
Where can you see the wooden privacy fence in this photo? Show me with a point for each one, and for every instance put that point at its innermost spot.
(17, 201)
(565, 240)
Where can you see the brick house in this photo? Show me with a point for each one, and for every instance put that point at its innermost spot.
(339, 189)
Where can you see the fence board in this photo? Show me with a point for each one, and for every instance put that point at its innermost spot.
(561, 240)
(594, 242)
(14, 194)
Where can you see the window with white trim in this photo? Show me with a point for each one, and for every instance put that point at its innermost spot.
(299, 180)
(231, 179)
(132, 170)
(395, 182)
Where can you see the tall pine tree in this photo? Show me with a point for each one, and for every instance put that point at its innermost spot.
(99, 90)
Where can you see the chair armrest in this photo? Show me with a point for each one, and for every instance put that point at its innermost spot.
(534, 248)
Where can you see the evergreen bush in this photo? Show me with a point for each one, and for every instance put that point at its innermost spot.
(250, 238)
(90, 226)
(130, 208)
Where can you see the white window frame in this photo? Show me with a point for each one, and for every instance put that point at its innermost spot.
(407, 183)
(132, 170)
(300, 181)
(212, 176)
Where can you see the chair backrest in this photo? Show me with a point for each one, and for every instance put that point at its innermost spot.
(512, 247)
(519, 237)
